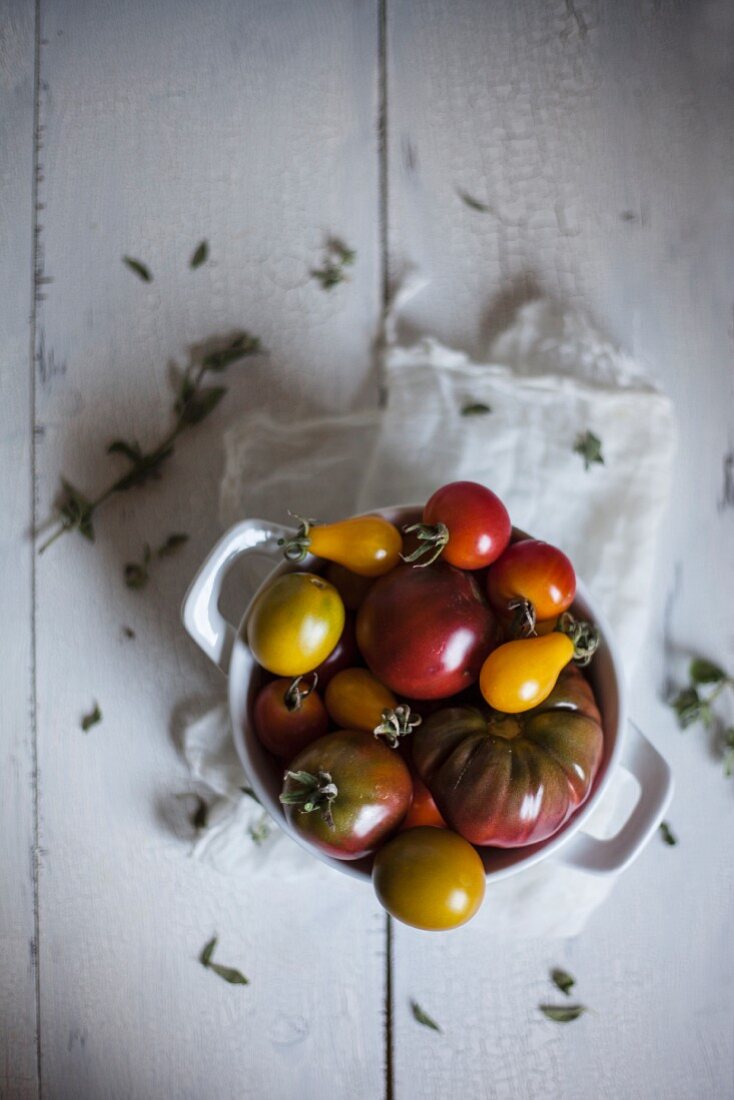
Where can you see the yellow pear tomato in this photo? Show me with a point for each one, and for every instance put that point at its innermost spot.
(367, 545)
(518, 676)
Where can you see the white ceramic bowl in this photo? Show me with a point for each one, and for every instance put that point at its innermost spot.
(624, 744)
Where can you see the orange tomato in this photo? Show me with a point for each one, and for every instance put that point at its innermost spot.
(355, 699)
(423, 810)
(518, 676)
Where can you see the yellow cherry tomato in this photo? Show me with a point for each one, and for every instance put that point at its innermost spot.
(295, 623)
(368, 545)
(355, 699)
(430, 878)
(519, 675)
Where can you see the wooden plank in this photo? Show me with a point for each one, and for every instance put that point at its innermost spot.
(18, 1025)
(599, 136)
(252, 127)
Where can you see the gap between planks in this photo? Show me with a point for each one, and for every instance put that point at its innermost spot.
(33, 507)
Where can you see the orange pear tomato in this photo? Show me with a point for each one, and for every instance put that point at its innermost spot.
(355, 699)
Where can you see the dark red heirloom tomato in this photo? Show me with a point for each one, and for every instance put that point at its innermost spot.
(508, 780)
(288, 715)
(531, 580)
(344, 654)
(465, 523)
(425, 632)
(346, 793)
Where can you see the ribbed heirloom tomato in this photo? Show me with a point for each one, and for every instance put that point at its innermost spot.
(508, 780)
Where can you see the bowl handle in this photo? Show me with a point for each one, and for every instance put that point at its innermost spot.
(200, 610)
(603, 857)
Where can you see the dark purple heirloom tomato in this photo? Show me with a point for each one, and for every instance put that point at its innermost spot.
(425, 632)
(508, 780)
(346, 793)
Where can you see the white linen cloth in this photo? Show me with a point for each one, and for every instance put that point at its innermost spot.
(547, 379)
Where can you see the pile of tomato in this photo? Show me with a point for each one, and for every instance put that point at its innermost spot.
(425, 697)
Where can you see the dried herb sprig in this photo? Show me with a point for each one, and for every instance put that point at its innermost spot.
(137, 573)
(588, 446)
(562, 980)
(193, 403)
(422, 1017)
(91, 719)
(337, 256)
(667, 834)
(229, 973)
(563, 1014)
(695, 703)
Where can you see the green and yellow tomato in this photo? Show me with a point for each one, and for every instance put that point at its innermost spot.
(295, 623)
(429, 878)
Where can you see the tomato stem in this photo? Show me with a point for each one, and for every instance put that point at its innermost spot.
(295, 694)
(297, 546)
(396, 722)
(523, 618)
(432, 539)
(317, 792)
(585, 637)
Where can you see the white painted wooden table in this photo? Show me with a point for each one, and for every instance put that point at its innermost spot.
(599, 133)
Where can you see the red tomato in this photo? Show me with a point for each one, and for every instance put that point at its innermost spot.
(425, 632)
(344, 654)
(346, 793)
(531, 580)
(288, 716)
(423, 810)
(466, 523)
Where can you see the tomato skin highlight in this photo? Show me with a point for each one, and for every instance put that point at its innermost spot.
(431, 879)
(367, 545)
(295, 623)
(374, 792)
(477, 520)
(534, 571)
(519, 675)
(510, 780)
(425, 632)
(355, 699)
(287, 732)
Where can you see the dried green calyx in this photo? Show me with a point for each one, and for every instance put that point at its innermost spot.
(314, 793)
(432, 538)
(585, 637)
(397, 722)
(297, 546)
